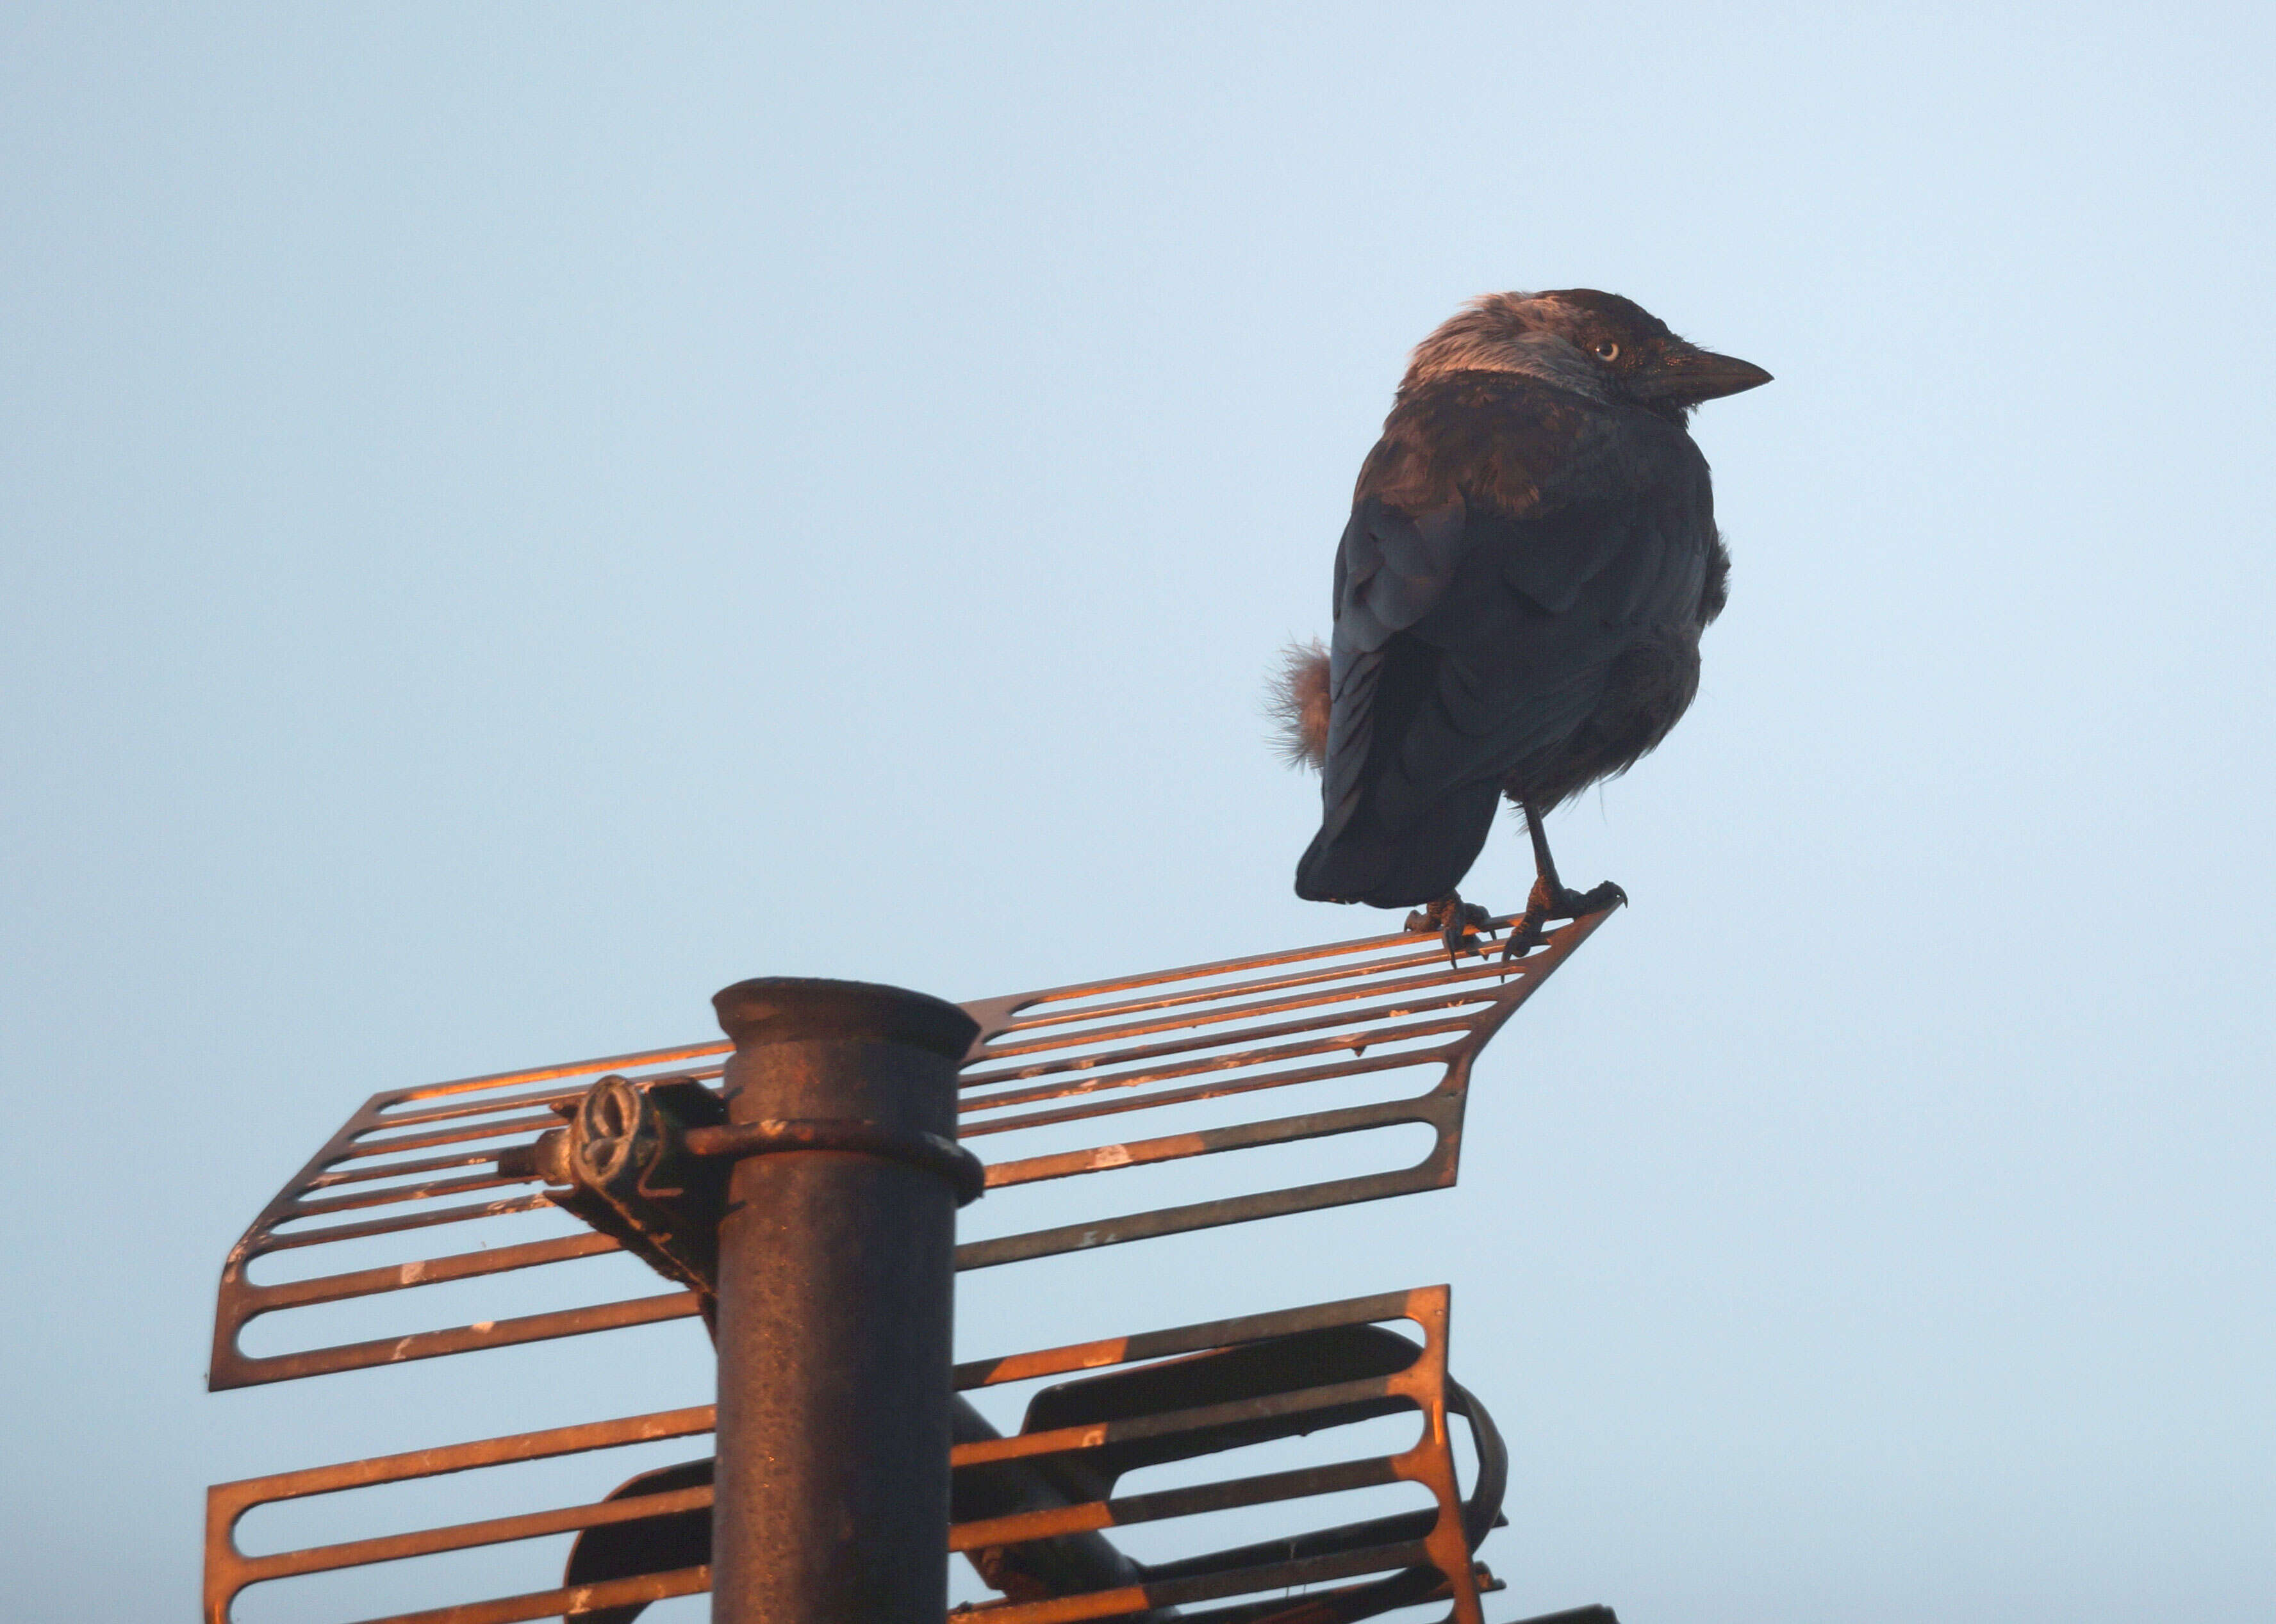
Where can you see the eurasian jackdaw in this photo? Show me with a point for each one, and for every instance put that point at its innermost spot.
(1519, 596)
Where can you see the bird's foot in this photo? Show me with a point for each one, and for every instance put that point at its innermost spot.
(1458, 923)
(1549, 902)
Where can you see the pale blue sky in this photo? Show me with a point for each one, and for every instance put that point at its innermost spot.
(511, 519)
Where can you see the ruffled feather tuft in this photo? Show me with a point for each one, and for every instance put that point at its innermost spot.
(1298, 704)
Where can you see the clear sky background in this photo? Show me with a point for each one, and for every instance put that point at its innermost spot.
(513, 518)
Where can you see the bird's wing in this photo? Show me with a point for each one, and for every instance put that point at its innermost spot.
(1392, 567)
(1526, 639)
(1462, 640)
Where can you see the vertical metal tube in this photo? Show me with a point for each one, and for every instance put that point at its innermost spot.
(836, 1281)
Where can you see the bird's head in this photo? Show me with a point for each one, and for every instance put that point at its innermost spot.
(1597, 344)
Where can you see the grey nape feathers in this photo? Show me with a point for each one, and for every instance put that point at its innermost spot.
(1298, 703)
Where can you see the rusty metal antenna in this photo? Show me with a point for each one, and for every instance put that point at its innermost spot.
(797, 1187)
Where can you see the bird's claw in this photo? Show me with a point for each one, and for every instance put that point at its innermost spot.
(1563, 902)
(1461, 937)
(1461, 926)
(1524, 936)
(1596, 899)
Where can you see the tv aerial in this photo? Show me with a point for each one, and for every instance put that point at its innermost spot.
(796, 1186)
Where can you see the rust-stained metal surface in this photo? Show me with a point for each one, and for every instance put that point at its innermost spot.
(1215, 1389)
(1387, 1017)
(836, 1294)
(1202, 1392)
(1135, 1076)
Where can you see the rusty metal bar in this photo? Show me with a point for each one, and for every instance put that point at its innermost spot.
(228, 1570)
(1475, 985)
(1184, 1339)
(1133, 1508)
(836, 1281)
(1218, 1087)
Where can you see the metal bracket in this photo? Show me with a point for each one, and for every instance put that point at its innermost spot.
(622, 1164)
(646, 1163)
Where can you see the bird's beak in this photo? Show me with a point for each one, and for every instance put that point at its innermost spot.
(1691, 375)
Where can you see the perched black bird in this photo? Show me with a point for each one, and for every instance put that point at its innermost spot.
(1530, 560)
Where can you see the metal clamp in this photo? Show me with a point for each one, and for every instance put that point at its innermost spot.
(734, 1140)
(647, 1164)
(622, 1166)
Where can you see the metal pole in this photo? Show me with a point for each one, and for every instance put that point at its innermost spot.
(837, 1262)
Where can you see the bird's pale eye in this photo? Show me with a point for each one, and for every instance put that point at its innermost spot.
(1608, 351)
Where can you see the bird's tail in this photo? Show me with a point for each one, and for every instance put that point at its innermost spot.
(1422, 862)
(1298, 704)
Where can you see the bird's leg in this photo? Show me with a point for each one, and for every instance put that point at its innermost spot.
(1551, 898)
(1456, 922)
